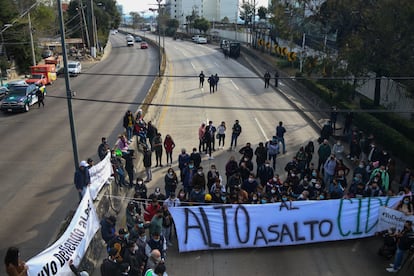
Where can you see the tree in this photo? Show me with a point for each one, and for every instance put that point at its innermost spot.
(247, 12)
(202, 25)
(136, 19)
(172, 26)
(262, 12)
(373, 36)
(225, 20)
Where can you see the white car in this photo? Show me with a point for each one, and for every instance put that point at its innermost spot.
(201, 40)
(74, 68)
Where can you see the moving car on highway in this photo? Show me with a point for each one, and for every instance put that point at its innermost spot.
(144, 45)
(74, 68)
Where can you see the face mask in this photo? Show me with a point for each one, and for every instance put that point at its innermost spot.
(284, 198)
(273, 191)
(264, 201)
(406, 201)
(143, 238)
(274, 179)
(182, 194)
(267, 165)
(254, 198)
(139, 182)
(251, 180)
(361, 166)
(246, 159)
(317, 186)
(293, 175)
(305, 179)
(170, 173)
(157, 240)
(314, 174)
(200, 173)
(321, 197)
(191, 166)
(223, 198)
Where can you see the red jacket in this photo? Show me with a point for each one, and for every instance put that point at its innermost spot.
(150, 211)
(169, 144)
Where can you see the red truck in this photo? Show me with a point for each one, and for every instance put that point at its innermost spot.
(42, 74)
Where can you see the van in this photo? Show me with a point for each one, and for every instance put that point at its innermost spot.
(74, 68)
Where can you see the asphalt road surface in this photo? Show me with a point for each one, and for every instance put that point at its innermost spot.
(36, 164)
(241, 95)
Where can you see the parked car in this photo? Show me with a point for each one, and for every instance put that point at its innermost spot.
(138, 39)
(74, 68)
(195, 38)
(15, 82)
(47, 53)
(3, 92)
(201, 40)
(144, 45)
(19, 98)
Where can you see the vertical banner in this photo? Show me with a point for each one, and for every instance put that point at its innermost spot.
(72, 245)
(99, 175)
(288, 223)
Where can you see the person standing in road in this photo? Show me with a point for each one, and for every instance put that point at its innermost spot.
(267, 79)
(280, 134)
(103, 149)
(82, 178)
(236, 131)
(128, 124)
(40, 93)
(201, 131)
(151, 132)
(216, 80)
(212, 81)
(276, 78)
(147, 163)
(169, 145)
(201, 76)
(157, 146)
(324, 152)
(221, 134)
(208, 138)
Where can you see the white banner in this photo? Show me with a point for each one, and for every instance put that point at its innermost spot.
(99, 175)
(72, 245)
(279, 224)
(389, 217)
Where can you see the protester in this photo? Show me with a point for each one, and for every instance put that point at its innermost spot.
(14, 266)
(82, 178)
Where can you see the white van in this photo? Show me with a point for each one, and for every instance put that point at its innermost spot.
(74, 68)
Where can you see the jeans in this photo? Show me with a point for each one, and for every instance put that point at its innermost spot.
(129, 132)
(234, 140)
(149, 173)
(399, 254)
(282, 140)
(166, 232)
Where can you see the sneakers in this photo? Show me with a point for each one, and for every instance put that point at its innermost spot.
(391, 269)
(211, 158)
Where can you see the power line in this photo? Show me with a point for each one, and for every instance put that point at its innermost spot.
(236, 107)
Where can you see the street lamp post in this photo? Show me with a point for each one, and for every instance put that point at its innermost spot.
(159, 37)
(31, 40)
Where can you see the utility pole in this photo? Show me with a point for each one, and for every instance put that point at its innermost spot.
(67, 83)
(31, 40)
(159, 38)
(91, 25)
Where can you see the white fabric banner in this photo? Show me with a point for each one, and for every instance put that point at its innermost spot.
(99, 175)
(239, 226)
(72, 245)
(389, 217)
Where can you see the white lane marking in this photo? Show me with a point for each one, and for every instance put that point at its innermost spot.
(261, 129)
(193, 65)
(235, 86)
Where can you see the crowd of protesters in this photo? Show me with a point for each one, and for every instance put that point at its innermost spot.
(248, 177)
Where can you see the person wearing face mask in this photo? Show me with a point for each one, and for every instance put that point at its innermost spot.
(212, 175)
(171, 182)
(273, 150)
(406, 206)
(156, 222)
(134, 259)
(360, 169)
(188, 172)
(250, 185)
(384, 177)
(141, 188)
(154, 254)
(199, 180)
(338, 150)
(265, 172)
(197, 196)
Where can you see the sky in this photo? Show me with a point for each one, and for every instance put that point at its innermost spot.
(144, 5)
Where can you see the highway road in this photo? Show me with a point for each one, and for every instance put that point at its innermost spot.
(36, 164)
(241, 95)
